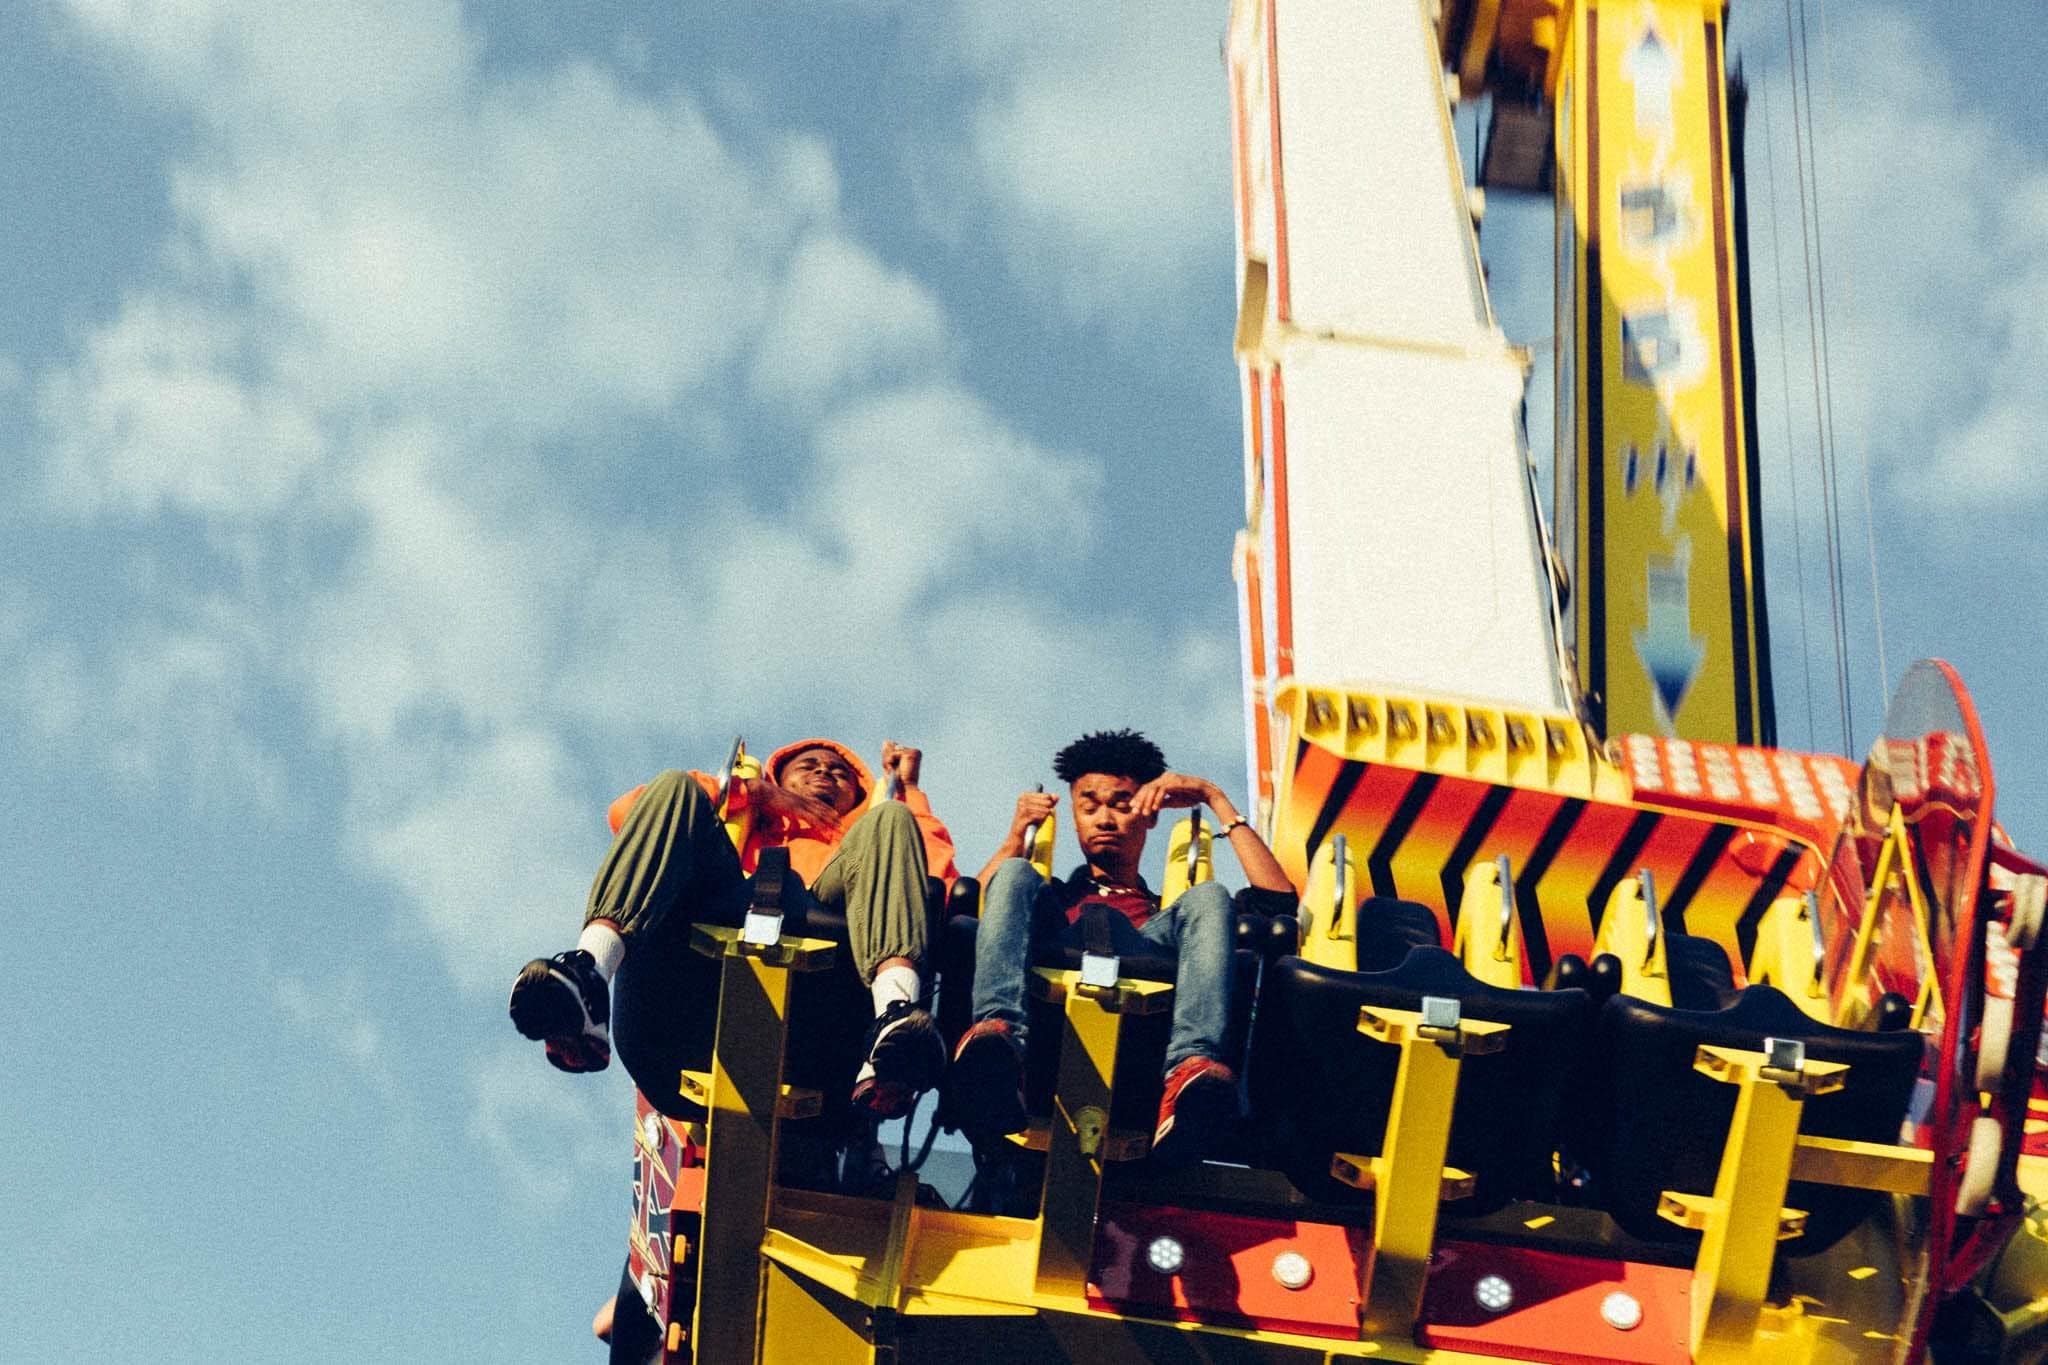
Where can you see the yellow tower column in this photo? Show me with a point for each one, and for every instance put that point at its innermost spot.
(1670, 634)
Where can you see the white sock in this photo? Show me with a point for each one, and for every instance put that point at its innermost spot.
(893, 984)
(602, 942)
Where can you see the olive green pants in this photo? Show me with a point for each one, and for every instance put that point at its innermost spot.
(672, 866)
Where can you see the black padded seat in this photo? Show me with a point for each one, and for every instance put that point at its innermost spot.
(1660, 1125)
(1387, 928)
(1319, 1086)
(1701, 976)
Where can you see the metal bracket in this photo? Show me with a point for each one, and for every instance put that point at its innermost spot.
(1783, 1062)
(1441, 1021)
(1695, 1211)
(1089, 1126)
(1098, 973)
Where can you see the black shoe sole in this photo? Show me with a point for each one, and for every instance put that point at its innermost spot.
(1201, 1115)
(543, 1005)
(911, 1056)
(982, 1089)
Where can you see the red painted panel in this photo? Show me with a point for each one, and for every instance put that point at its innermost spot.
(1555, 1315)
(1227, 1274)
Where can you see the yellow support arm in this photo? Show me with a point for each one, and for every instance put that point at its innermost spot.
(1633, 932)
(1791, 954)
(1330, 909)
(1188, 858)
(1489, 941)
(1408, 1178)
(1744, 1219)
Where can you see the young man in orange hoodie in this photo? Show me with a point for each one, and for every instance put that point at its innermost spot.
(672, 864)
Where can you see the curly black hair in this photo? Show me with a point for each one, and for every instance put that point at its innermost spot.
(1116, 753)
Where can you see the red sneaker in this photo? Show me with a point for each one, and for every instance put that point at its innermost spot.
(985, 1086)
(1200, 1100)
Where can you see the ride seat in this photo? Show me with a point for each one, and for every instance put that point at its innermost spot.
(1320, 1087)
(1143, 1039)
(1386, 929)
(1661, 1125)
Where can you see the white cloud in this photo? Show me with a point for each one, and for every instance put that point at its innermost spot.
(840, 317)
(160, 705)
(1099, 139)
(446, 602)
(407, 302)
(1934, 217)
(157, 412)
(491, 844)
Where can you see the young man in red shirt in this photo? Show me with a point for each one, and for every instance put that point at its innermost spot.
(1119, 783)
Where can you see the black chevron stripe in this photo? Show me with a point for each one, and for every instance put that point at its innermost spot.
(1346, 782)
(1381, 863)
(1621, 864)
(1695, 876)
(1766, 891)
(1476, 829)
(1528, 894)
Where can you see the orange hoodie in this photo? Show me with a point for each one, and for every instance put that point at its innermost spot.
(810, 847)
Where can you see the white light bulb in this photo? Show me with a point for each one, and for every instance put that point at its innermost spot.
(1494, 1293)
(1292, 1269)
(1165, 1255)
(1621, 1311)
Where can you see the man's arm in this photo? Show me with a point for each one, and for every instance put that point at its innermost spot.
(1031, 808)
(1180, 790)
(905, 764)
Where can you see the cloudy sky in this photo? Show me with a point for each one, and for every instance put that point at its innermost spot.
(419, 422)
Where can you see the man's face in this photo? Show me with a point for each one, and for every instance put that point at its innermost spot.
(1103, 819)
(822, 775)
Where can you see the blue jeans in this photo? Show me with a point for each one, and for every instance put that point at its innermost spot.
(1020, 914)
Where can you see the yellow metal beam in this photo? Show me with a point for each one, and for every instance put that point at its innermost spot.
(1743, 1220)
(1408, 1176)
(746, 1102)
(1533, 750)
(1079, 1143)
(1863, 1165)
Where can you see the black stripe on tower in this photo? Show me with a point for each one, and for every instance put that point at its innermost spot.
(1528, 897)
(1695, 875)
(1745, 314)
(1334, 801)
(1766, 891)
(1381, 863)
(1621, 864)
(1476, 829)
(1593, 328)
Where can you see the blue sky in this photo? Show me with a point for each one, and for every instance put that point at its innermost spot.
(420, 425)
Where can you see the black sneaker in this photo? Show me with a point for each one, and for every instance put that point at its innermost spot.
(563, 1000)
(906, 1057)
(985, 1084)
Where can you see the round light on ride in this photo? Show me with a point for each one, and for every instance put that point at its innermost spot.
(1166, 1255)
(1494, 1293)
(1621, 1311)
(1292, 1270)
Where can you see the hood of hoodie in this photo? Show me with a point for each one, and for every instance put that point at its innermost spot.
(863, 779)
